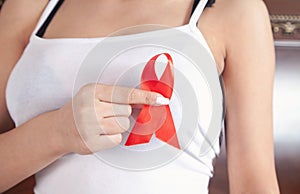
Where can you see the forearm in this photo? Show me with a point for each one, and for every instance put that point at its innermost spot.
(27, 149)
(257, 191)
(256, 183)
(251, 169)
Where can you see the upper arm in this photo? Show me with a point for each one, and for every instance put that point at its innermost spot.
(17, 21)
(248, 78)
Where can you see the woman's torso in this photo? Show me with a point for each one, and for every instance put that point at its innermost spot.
(43, 80)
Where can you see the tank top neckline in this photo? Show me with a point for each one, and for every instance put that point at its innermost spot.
(117, 37)
(192, 25)
(43, 28)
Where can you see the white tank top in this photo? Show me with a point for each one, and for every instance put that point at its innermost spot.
(51, 71)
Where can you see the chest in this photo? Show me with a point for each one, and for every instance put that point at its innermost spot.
(76, 19)
(101, 18)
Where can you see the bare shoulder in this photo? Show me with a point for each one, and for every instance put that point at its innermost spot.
(247, 17)
(242, 6)
(227, 21)
(244, 12)
(247, 28)
(19, 17)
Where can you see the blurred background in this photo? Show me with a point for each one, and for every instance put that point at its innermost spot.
(285, 19)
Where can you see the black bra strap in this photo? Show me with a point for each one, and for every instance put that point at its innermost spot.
(43, 28)
(196, 2)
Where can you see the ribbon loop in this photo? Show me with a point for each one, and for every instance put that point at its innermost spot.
(155, 119)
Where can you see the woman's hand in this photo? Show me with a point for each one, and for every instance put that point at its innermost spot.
(93, 120)
(97, 115)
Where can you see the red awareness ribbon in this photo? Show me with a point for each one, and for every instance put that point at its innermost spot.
(155, 119)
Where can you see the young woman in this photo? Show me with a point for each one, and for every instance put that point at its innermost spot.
(45, 138)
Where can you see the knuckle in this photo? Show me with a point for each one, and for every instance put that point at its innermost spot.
(149, 98)
(132, 96)
(142, 96)
(101, 91)
(137, 96)
(94, 90)
(85, 95)
(100, 87)
(88, 86)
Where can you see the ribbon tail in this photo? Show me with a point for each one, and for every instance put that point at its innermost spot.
(167, 131)
(134, 139)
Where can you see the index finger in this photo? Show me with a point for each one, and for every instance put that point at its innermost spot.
(125, 95)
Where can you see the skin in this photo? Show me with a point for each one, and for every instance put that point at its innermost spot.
(239, 35)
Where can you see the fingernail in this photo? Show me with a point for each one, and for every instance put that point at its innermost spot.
(160, 100)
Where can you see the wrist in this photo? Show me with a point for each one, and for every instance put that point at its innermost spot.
(56, 136)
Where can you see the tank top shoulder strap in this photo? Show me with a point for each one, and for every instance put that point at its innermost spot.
(197, 13)
(47, 11)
